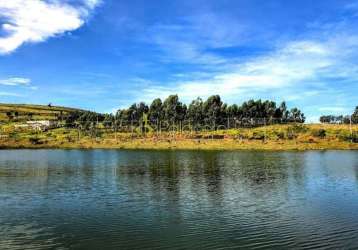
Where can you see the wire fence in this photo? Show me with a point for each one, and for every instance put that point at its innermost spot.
(161, 129)
(144, 126)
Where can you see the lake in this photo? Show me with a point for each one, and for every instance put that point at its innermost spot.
(118, 199)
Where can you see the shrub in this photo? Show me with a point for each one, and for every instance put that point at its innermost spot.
(349, 137)
(258, 136)
(299, 128)
(35, 140)
(291, 134)
(280, 135)
(321, 133)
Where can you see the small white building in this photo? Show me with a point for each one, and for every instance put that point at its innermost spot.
(41, 125)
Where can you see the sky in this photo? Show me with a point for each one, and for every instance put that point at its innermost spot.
(103, 55)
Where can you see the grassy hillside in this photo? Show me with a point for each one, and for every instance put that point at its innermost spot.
(21, 112)
(276, 137)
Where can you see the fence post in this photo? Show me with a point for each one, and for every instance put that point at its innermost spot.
(191, 129)
(157, 127)
(173, 132)
(264, 129)
(132, 128)
(115, 129)
(78, 133)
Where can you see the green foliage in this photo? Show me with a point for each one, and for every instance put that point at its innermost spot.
(355, 116)
(258, 135)
(173, 109)
(156, 110)
(213, 112)
(291, 133)
(347, 136)
(35, 141)
(196, 112)
(320, 133)
(83, 118)
(332, 119)
(299, 128)
(280, 135)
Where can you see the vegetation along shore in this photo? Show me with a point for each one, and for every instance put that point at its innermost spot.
(210, 124)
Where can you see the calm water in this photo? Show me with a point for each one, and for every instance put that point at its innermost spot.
(110, 199)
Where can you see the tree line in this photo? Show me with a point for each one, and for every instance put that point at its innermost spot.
(340, 119)
(212, 112)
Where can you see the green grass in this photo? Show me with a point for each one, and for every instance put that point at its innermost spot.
(34, 112)
(276, 137)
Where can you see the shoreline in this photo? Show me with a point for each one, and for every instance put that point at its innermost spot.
(207, 145)
(269, 138)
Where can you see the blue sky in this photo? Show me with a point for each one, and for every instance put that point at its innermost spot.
(106, 54)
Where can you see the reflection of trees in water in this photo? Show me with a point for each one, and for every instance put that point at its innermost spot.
(213, 176)
(217, 175)
(172, 174)
(259, 172)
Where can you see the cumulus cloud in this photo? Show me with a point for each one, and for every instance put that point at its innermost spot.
(36, 20)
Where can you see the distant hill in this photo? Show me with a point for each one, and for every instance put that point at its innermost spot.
(22, 112)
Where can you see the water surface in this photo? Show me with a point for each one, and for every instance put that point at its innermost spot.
(117, 199)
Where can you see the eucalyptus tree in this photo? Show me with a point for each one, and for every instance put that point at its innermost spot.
(195, 112)
(156, 110)
(355, 116)
(173, 109)
(212, 112)
(212, 108)
(296, 115)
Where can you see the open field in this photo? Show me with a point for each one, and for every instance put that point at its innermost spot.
(21, 112)
(275, 137)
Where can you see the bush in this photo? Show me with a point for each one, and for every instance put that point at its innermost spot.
(299, 128)
(291, 133)
(280, 135)
(35, 140)
(349, 137)
(258, 136)
(321, 133)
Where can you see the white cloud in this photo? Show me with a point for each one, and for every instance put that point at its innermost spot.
(9, 94)
(301, 72)
(295, 63)
(37, 20)
(15, 81)
(304, 71)
(333, 109)
(191, 40)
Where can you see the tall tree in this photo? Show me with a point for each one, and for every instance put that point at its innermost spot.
(232, 111)
(173, 109)
(156, 110)
(213, 110)
(355, 116)
(195, 112)
(296, 115)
